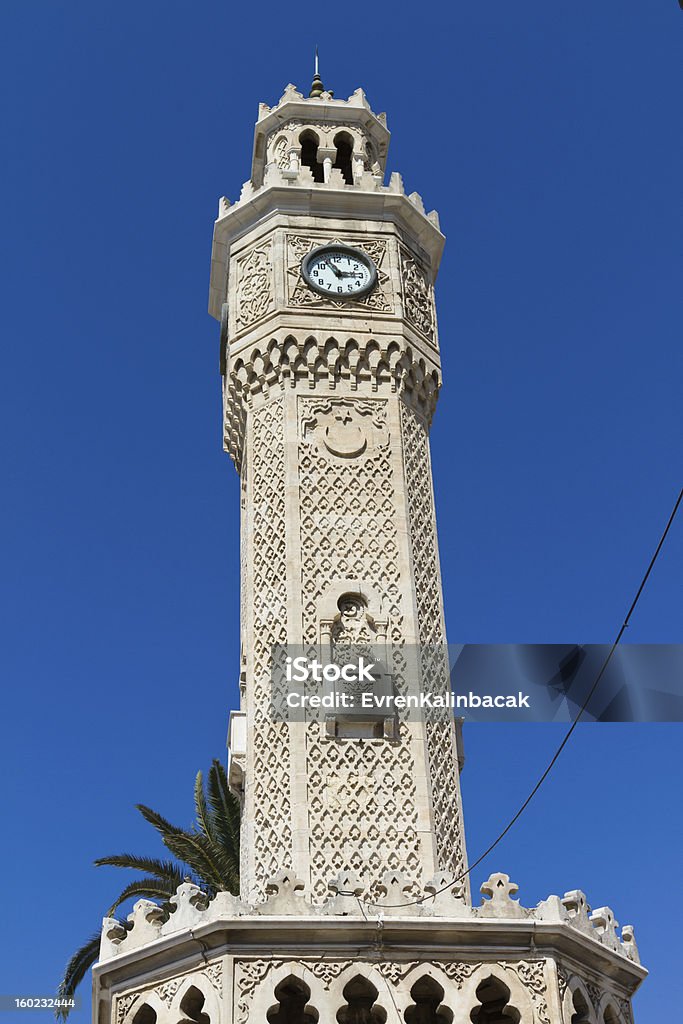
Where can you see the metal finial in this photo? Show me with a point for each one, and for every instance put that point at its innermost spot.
(317, 87)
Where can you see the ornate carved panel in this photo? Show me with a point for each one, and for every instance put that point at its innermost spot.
(251, 974)
(254, 296)
(380, 299)
(418, 295)
(271, 803)
(166, 991)
(348, 530)
(443, 766)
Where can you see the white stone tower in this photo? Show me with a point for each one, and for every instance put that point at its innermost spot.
(354, 905)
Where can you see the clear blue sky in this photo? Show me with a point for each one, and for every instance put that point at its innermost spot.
(548, 137)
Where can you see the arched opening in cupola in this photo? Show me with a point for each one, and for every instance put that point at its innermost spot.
(344, 144)
(309, 154)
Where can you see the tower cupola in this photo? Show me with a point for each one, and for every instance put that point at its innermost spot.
(320, 140)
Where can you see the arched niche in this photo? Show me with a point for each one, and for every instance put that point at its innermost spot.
(498, 978)
(310, 144)
(427, 1006)
(577, 1003)
(286, 981)
(361, 1003)
(609, 1012)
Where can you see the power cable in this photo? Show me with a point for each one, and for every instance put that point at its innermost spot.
(546, 773)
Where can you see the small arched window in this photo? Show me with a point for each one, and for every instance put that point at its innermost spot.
(344, 144)
(309, 155)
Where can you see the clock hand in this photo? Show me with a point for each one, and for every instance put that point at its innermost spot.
(339, 273)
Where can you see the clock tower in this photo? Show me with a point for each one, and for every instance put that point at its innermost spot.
(324, 279)
(355, 905)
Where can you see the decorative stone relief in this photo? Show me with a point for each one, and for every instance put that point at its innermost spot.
(123, 1005)
(281, 153)
(418, 295)
(348, 529)
(346, 428)
(271, 809)
(254, 288)
(167, 990)
(443, 766)
(379, 299)
(531, 973)
(595, 992)
(248, 974)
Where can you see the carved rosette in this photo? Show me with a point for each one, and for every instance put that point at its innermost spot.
(299, 294)
(418, 296)
(254, 296)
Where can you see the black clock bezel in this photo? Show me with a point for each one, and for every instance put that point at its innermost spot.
(356, 254)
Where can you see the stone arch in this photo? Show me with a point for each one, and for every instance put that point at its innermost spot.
(575, 986)
(436, 974)
(336, 1000)
(185, 1006)
(150, 1001)
(519, 998)
(609, 1012)
(344, 145)
(265, 1000)
(310, 142)
(427, 1006)
(279, 151)
(361, 1003)
(145, 1014)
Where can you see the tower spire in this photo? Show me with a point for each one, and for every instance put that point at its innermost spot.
(317, 87)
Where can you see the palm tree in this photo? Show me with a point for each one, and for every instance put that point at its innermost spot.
(206, 854)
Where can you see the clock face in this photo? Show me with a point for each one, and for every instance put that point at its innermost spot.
(339, 271)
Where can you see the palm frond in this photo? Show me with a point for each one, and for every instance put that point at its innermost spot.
(163, 827)
(201, 808)
(76, 969)
(225, 814)
(163, 869)
(201, 854)
(147, 888)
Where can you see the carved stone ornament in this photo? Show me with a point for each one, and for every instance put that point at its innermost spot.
(418, 296)
(379, 299)
(167, 990)
(254, 292)
(346, 428)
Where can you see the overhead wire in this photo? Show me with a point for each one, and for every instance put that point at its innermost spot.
(553, 760)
